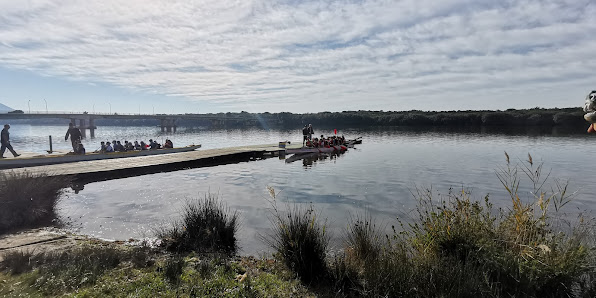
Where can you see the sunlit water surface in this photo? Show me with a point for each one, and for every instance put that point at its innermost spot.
(379, 177)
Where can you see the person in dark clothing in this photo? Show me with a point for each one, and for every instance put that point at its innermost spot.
(75, 136)
(5, 140)
(304, 134)
(80, 149)
(310, 132)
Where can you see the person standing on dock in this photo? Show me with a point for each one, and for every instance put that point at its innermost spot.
(304, 134)
(5, 140)
(75, 136)
(310, 132)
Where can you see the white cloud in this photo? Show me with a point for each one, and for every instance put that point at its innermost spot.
(314, 55)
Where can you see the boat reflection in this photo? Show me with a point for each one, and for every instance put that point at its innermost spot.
(309, 159)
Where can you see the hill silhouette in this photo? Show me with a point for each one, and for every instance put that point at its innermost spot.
(5, 109)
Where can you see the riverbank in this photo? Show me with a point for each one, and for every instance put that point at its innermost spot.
(51, 262)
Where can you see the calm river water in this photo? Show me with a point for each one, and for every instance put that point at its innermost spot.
(378, 177)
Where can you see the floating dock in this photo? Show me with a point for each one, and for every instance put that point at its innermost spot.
(107, 169)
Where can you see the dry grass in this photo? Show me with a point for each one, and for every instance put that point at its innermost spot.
(29, 200)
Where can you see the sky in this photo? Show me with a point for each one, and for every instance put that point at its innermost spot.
(295, 56)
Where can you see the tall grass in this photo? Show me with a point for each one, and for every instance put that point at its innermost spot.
(206, 226)
(29, 200)
(460, 247)
(301, 241)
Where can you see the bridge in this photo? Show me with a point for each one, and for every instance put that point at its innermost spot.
(87, 120)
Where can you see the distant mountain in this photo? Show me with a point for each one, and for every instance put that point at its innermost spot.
(5, 109)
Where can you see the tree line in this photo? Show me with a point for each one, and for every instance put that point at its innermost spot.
(511, 118)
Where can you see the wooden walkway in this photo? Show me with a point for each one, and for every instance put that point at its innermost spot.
(99, 170)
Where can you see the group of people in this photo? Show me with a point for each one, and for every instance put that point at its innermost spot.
(326, 142)
(117, 146)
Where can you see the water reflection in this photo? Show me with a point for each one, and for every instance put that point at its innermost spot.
(308, 159)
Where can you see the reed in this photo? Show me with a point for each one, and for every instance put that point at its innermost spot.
(29, 200)
(460, 247)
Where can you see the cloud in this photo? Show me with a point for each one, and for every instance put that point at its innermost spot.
(315, 55)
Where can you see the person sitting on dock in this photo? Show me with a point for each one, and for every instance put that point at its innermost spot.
(109, 147)
(75, 135)
(128, 146)
(80, 149)
(102, 147)
(168, 144)
(143, 145)
(137, 145)
(120, 147)
(153, 144)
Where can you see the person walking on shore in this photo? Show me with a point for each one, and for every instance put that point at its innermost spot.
(75, 136)
(5, 140)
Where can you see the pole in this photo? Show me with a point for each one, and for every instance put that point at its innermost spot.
(29, 105)
(51, 150)
(110, 107)
(46, 107)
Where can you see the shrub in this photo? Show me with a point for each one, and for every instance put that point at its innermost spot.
(207, 226)
(29, 200)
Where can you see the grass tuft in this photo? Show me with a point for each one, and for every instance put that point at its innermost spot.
(207, 226)
(301, 242)
(29, 200)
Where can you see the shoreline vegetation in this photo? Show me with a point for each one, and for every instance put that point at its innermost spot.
(457, 246)
(514, 118)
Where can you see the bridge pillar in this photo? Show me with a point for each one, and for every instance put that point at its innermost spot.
(168, 125)
(92, 128)
(82, 128)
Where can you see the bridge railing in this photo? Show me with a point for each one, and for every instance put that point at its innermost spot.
(78, 113)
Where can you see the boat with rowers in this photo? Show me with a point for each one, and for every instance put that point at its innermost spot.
(304, 150)
(51, 159)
